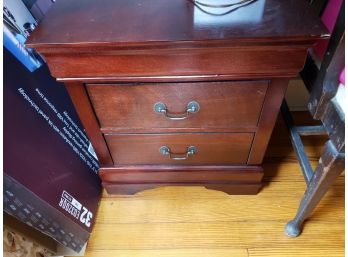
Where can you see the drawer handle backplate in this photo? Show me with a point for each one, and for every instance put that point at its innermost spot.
(192, 107)
(191, 150)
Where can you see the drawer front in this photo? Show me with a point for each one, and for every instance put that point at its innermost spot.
(153, 107)
(180, 149)
(179, 63)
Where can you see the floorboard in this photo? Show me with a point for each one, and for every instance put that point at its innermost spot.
(196, 222)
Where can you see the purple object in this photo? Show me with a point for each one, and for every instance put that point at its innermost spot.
(342, 77)
(329, 18)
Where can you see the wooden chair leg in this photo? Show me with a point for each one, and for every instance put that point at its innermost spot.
(330, 166)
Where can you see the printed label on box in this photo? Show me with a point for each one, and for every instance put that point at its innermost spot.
(75, 208)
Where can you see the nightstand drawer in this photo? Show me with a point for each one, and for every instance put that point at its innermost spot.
(160, 107)
(180, 148)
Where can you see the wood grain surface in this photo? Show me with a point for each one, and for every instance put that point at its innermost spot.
(181, 173)
(193, 221)
(130, 107)
(212, 148)
(238, 188)
(233, 63)
(174, 42)
(231, 179)
(267, 38)
(134, 21)
(270, 110)
(78, 95)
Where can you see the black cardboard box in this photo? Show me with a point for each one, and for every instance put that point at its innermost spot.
(50, 171)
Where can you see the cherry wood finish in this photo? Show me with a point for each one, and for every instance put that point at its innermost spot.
(124, 107)
(212, 148)
(118, 58)
(271, 46)
(269, 113)
(236, 62)
(142, 22)
(84, 109)
(229, 187)
(230, 179)
(181, 173)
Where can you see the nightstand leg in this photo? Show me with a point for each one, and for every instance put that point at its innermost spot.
(330, 166)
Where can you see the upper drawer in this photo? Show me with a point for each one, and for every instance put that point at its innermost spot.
(212, 62)
(180, 106)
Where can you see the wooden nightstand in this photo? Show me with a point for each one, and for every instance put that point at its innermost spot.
(171, 95)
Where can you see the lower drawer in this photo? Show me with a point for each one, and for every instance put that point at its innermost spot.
(180, 149)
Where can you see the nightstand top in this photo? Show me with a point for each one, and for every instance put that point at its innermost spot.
(150, 22)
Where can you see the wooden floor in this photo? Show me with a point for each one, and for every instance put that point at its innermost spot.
(196, 222)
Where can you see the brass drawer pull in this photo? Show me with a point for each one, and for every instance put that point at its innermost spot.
(191, 150)
(192, 107)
